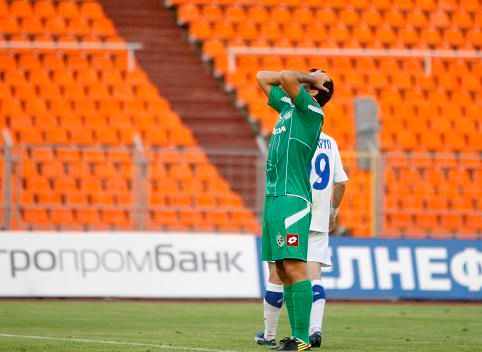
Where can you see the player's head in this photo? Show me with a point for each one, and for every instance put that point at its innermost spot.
(322, 96)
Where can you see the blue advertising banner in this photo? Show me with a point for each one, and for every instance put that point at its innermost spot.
(403, 268)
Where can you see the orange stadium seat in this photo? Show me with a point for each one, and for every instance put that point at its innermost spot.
(32, 25)
(44, 8)
(56, 25)
(21, 8)
(258, 14)
(188, 13)
(91, 10)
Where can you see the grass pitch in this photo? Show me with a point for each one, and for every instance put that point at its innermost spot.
(163, 326)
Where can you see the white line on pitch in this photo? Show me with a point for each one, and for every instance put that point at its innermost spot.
(109, 342)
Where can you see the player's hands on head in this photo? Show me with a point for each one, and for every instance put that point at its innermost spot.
(321, 78)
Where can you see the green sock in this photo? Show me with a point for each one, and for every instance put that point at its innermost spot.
(302, 300)
(288, 298)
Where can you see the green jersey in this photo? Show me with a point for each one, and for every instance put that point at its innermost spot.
(293, 143)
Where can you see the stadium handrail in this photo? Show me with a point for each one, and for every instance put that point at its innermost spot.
(140, 196)
(233, 51)
(13, 170)
(6, 178)
(129, 47)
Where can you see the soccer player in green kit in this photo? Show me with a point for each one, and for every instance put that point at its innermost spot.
(298, 97)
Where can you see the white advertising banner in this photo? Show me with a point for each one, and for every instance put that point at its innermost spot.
(128, 265)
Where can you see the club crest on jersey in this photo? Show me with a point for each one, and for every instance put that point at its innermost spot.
(280, 240)
(292, 240)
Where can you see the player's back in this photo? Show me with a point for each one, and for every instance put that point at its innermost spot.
(326, 169)
(292, 143)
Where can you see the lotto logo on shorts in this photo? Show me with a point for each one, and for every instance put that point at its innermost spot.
(292, 240)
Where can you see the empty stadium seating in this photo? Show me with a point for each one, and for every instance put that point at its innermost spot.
(88, 99)
(73, 115)
(421, 113)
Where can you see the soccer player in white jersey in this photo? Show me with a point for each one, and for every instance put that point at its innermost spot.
(328, 180)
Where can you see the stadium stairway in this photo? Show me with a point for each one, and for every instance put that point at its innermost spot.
(187, 84)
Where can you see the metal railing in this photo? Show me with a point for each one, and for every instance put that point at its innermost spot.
(128, 180)
(130, 48)
(398, 194)
(427, 55)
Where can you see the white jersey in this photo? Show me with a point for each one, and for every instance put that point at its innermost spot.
(326, 169)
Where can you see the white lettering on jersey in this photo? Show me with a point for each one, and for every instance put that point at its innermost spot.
(324, 143)
(287, 115)
(278, 130)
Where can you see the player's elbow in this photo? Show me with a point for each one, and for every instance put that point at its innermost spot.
(261, 76)
(286, 76)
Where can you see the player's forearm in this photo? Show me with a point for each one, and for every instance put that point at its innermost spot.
(267, 79)
(271, 78)
(291, 82)
(291, 76)
(338, 192)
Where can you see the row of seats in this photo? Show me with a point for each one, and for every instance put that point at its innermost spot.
(102, 135)
(61, 172)
(28, 38)
(396, 200)
(195, 220)
(116, 218)
(105, 64)
(327, 14)
(448, 225)
(433, 173)
(66, 95)
(340, 35)
(69, 9)
(390, 66)
(57, 26)
(428, 109)
(57, 18)
(79, 193)
(340, 5)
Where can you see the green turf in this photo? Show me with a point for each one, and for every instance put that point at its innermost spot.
(232, 326)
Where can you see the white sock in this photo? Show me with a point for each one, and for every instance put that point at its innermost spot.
(318, 308)
(272, 303)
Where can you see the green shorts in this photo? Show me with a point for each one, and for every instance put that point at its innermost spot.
(286, 225)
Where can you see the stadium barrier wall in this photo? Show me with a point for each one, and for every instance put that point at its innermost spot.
(409, 269)
(181, 265)
(404, 269)
(128, 265)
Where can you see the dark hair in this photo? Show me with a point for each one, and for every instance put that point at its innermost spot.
(324, 97)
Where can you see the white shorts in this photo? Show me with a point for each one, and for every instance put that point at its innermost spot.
(318, 250)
